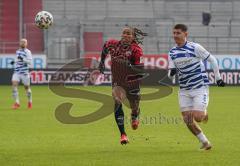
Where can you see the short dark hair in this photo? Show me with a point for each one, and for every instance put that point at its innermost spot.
(183, 27)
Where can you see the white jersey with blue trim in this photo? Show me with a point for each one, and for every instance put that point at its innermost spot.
(22, 65)
(188, 60)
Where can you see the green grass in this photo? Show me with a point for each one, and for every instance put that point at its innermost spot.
(35, 137)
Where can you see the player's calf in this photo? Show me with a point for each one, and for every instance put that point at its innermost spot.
(190, 122)
(15, 95)
(187, 117)
(29, 96)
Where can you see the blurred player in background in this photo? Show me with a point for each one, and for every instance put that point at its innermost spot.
(21, 73)
(125, 54)
(186, 59)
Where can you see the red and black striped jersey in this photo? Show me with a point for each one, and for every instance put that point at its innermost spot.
(124, 58)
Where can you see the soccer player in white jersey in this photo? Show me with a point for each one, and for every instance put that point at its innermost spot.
(21, 73)
(186, 59)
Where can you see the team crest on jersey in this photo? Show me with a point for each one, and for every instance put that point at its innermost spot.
(128, 53)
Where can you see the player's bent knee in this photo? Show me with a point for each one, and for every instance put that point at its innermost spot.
(27, 87)
(199, 115)
(14, 83)
(198, 118)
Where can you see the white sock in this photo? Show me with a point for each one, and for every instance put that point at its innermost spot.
(202, 138)
(29, 95)
(15, 95)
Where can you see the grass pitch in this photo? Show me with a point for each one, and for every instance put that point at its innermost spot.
(35, 137)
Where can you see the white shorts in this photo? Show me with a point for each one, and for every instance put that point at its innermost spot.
(196, 99)
(24, 78)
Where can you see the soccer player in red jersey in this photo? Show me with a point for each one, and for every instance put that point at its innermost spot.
(126, 54)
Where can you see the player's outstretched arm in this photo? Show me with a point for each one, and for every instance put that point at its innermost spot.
(214, 64)
(101, 66)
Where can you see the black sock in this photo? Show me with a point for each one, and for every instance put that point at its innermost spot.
(135, 113)
(119, 117)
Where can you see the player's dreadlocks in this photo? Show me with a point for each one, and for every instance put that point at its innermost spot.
(138, 35)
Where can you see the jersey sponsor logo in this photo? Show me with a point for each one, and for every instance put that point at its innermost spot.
(141, 59)
(151, 60)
